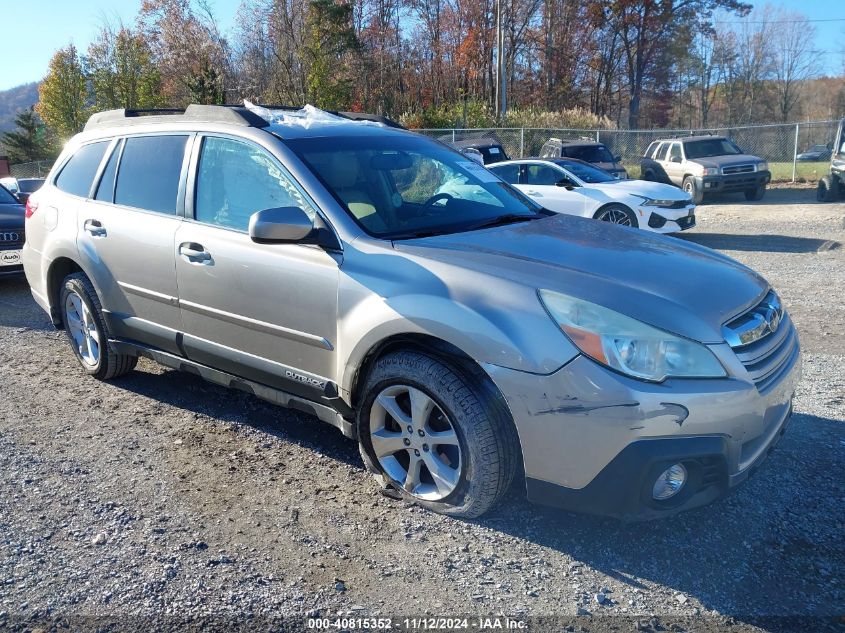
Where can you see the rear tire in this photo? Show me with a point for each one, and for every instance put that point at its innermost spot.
(689, 185)
(452, 445)
(755, 195)
(828, 189)
(87, 332)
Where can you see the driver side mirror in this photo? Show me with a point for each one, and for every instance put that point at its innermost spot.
(280, 225)
(566, 184)
(617, 158)
(675, 159)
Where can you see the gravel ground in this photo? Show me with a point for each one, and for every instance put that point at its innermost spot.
(160, 501)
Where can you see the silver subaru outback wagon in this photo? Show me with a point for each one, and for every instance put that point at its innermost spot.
(396, 289)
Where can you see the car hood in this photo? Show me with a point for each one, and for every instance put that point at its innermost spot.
(725, 161)
(653, 190)
(672, 284)
(11, 216)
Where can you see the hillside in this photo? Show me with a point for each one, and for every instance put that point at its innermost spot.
(13, 101)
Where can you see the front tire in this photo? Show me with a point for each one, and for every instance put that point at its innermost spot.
(87, 332)
(691, 187)
(756, 194)
(827, 190)
(435, 435)
(617, 214)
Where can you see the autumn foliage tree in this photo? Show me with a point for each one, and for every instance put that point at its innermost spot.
(63, 95)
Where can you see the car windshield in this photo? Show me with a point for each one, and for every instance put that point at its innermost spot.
(407, 186)
(6, 197)
(587, 173)
(589, 153)
(710, 147)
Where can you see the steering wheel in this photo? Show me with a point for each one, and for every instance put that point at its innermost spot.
(437, 197)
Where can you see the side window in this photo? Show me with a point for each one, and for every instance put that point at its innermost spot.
(148, 177)
(675, 152)
(235, 179)
(78, 173)
(508, 173)
(541, 175)
(105, 190)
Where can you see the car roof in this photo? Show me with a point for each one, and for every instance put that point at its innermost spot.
(561, 162)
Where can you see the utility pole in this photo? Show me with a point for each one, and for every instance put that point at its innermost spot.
(501, 80)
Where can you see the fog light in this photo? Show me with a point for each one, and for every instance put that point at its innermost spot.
(670, 482)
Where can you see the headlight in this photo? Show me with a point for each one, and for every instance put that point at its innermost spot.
(650, 202)
(764, 166)
(709, 171)
(628, 345)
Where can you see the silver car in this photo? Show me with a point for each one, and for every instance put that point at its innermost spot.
(463, 339)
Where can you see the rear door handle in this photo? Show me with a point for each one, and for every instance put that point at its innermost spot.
(94, 228)
(194, 253)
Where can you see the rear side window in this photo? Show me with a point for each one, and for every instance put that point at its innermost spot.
(508, 173)
(150, 168)
(78, 173)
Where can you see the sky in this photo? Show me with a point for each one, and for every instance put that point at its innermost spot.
(36, 28)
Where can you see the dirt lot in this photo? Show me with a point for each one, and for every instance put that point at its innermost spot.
(159, 500)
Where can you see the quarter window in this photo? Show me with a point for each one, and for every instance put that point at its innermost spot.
(235, 179)
(148, 177)
(105, 190)
(77, 175)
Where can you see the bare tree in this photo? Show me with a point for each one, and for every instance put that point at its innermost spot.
(791, 38)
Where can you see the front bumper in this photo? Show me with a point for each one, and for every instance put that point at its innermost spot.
(594, 441)
(733, 183)
(663, 220)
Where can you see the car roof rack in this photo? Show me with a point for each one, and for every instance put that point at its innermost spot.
(231, 114)
(234, 115)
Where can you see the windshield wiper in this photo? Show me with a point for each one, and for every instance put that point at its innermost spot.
(501, 220)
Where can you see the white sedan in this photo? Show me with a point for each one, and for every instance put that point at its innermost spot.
(567, 185)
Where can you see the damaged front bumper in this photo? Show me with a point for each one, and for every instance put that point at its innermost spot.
(595, 441)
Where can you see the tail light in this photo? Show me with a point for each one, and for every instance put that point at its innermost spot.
(31, 207)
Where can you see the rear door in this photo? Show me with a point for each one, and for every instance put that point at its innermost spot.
(126, 236)
(266, 312)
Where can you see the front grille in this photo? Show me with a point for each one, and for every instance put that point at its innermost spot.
(738, 169)
(11, 239)
(765, 341)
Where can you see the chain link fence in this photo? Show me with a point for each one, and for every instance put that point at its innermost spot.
(37, 169)
(778, 144)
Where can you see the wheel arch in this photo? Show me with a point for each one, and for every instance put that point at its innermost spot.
(59, 268)
(445, 352)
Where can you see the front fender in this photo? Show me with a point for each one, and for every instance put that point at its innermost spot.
(525, 339)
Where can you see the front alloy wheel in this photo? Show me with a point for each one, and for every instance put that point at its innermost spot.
(616, 214)
(415, 442)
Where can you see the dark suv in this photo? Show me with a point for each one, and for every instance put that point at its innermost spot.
(11, 233)
(588, 151)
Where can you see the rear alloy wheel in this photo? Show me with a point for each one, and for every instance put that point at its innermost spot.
(756, 194)
(436, 435)
(689, 185)
(617, 214)
(827, 190)
(87, 332)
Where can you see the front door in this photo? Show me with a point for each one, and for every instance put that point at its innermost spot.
(125, 235)
(674, 164)
(540, 182)
(265, 312)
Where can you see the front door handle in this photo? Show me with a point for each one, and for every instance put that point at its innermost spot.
(194, 253)
(94, 228)
(532, 192)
